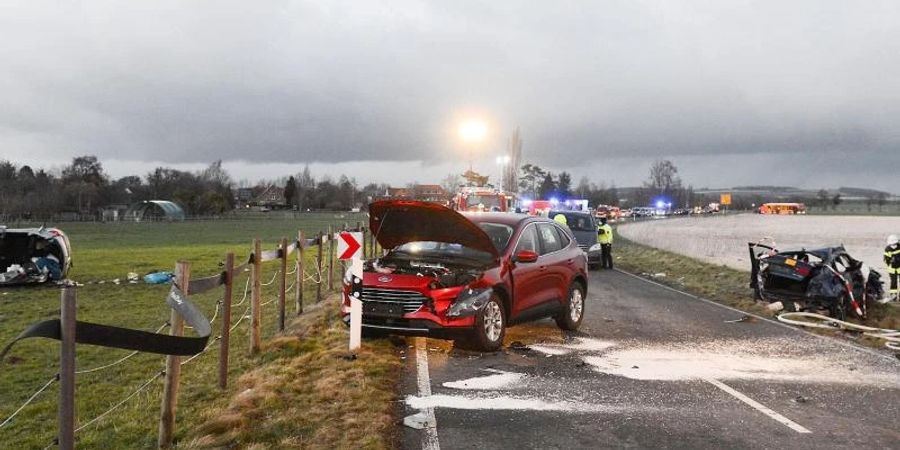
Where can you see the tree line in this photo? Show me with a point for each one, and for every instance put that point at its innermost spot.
(84, 188)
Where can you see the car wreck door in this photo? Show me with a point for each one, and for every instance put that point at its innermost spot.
(526, 276)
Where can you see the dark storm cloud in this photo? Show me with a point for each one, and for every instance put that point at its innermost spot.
(292, 82)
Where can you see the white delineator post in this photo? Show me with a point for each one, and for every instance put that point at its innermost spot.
(356, 272)
(350, 247)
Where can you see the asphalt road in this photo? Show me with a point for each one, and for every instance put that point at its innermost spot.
(653, 368)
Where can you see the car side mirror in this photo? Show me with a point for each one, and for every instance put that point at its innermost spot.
(525, 256)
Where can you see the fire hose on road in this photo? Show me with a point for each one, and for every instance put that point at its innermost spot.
(891, 337)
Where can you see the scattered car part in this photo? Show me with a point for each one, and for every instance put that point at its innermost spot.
(891, 337)
(33, 255)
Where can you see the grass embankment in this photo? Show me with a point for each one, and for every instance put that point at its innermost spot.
(108, 251)
(307, 392)
(722, 284)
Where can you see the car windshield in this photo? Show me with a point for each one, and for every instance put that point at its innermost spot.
(430, 249)
(488, 201)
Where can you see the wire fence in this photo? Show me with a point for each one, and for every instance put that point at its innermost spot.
(321, 276)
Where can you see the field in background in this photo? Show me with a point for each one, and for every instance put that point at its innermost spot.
(723, 239)
(108, 251)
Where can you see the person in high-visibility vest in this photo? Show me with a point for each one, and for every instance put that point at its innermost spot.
(605, 239)
(561, 219)
(892, 261)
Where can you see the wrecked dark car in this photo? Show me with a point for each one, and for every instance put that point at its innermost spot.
(826, 279)
(467, 277)
(33, 255)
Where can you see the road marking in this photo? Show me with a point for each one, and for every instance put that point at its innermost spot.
(765, 319)
(758, 406)
(430, 438)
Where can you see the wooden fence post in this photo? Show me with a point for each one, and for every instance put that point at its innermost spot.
(173, 363)
(67, 369)
(226, 321)
(298, 280)
(319, 266)
(281, 291)
(330, 258)
(255, 297)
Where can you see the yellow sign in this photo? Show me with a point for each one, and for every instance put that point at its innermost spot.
(725, 199)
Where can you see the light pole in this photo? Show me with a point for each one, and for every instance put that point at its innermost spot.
(503, 161)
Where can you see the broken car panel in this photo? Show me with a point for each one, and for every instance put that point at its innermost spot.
(812, 280)
(33, 255)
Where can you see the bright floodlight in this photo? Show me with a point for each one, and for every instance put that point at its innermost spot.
(472, 130)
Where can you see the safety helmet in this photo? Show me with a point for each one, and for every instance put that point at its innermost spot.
(892, 239)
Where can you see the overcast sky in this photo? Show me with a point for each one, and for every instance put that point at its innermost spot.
(734, 92)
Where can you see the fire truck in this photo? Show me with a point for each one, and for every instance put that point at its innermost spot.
(482, 199)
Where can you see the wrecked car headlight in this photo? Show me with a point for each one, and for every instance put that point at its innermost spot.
(595, 248)
(469, 302)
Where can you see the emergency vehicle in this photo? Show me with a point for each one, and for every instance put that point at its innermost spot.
(482, 199)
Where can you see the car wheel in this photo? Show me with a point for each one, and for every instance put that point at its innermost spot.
(490, 327)
(838, 309)
(573, 313)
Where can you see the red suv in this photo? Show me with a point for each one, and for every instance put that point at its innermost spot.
(467, 277)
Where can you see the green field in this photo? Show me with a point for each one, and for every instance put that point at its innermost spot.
(109, 251)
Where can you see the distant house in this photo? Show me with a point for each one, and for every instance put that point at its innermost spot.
(243, 196)
(113, 213)
(430, 193)
(423, 192)
(271, 197)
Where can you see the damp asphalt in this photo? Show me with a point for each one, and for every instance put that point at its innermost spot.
(652, 368)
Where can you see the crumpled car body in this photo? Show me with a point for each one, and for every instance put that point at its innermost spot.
(455, 276)
(33, 255)
(826, 278)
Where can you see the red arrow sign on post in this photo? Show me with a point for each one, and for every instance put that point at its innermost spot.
(349, 245)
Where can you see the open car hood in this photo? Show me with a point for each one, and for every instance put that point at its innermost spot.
(397, 222)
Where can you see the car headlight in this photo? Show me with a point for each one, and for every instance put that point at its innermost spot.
(469, 302)
(595, 248)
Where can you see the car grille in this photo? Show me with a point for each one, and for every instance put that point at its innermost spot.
(410, 300)
(584, 247)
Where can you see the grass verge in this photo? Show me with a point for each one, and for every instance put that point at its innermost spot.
(725, 285)
(307, 392)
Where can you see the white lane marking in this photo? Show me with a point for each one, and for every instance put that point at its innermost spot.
(774, 322)
(499, 380)
(508, 403)
(430, 437)
(758, 406)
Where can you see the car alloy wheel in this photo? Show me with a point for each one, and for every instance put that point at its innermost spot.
(576, 305)
(493, 321)
(571, 313)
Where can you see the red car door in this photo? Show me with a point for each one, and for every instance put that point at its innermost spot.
(554, 261)
(527, 277)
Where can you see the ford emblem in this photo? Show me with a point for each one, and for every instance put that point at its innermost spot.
(384, 279)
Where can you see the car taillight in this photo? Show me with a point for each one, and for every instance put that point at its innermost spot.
(802, 270)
